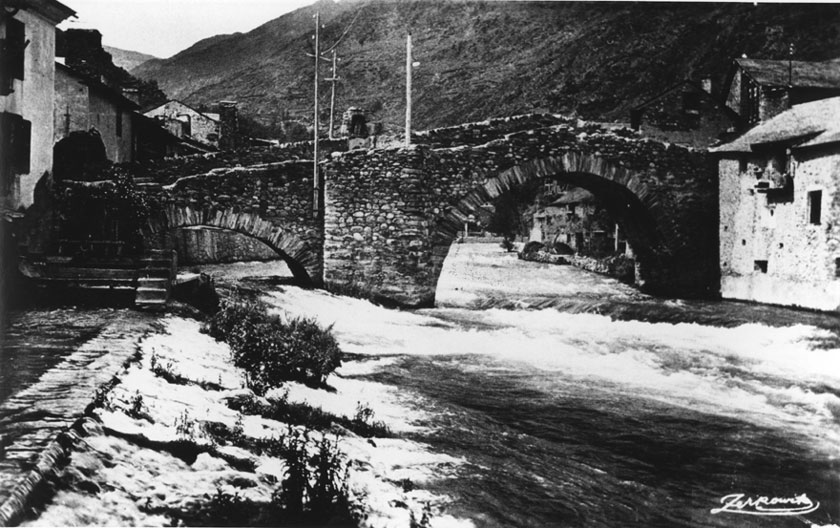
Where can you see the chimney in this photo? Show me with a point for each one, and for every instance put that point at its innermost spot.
(229, 133)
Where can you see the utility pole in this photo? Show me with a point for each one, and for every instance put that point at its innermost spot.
(333, 80)
(408, 91)
(790, 67)
(316, 181)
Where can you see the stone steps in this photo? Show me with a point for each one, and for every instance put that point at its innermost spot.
(154, 282)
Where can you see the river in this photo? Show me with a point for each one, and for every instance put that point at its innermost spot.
(575, 400)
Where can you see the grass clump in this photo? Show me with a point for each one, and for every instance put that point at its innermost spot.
(272, 349)
(297, 413)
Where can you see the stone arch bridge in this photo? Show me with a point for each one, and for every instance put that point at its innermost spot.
(387, 217)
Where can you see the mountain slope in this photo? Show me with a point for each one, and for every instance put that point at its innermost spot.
(483, 59)
(128, 59)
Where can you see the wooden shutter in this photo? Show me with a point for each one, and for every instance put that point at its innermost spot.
(15, 149)
(12, 55)
(23, 146)
(16, 35)
(7, 173)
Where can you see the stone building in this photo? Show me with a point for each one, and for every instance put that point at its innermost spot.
(27, 88)
(206, 128)
(83, 103)
(780, 209)
(756, 90)
(577, 220)
(687, 114)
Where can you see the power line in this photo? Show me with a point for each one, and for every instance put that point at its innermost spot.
(344, 34)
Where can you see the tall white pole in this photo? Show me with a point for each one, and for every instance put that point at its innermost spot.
(316, 182)
(332, 95)
(408, 90)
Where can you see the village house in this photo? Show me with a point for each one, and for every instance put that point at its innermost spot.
(756, 90)
(27, 91)
(687, 114)
(27, 87)
(83, 103)
(577, 220)
(186, 122)
(780, 209)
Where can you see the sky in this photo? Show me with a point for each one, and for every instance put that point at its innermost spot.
(164, 27)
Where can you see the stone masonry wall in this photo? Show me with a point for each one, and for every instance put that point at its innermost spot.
(212, 246)
(271, 202)
(481, 132)
(168, 170)
(391, 214)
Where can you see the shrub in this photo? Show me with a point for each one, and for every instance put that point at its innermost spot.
(113, 208)
(314, 489)
(224, 509)
(272, 350)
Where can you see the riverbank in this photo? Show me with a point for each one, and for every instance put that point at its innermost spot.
(165, 444)
(49, 378)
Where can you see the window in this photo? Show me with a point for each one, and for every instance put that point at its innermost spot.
(691, 102)
(15, 133)
(119, 123)
(636, 118)
(761, 265)
(814, 207)
(837, 267)
(12, 55)
(750, 94)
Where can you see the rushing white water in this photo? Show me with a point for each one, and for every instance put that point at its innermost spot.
(595, 407)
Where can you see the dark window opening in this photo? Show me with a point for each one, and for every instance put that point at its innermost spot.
(742, 165)
(837, 267)
(781, 161)
(761, 265)
(12, 55)
(15, 136)
(691, 102)
(119, 123)
(750, 93)
(814, 206)
(636, 118)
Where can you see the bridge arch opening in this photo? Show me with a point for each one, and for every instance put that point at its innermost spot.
(302, 261)
(626, 200)
(201, 246)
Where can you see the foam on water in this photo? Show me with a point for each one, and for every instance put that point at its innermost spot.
(780, 375)
(766, 375)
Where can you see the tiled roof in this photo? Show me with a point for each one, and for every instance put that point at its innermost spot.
(804, 125)
(804, 74)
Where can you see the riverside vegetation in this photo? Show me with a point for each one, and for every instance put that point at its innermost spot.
(166, 388)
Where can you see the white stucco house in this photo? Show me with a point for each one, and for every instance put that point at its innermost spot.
(780, 209)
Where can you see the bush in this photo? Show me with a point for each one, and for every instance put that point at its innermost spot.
(271, 349)
(314, 489)
(113, 208)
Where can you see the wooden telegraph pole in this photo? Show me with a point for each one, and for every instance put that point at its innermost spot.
(316, 181)
(333, 80)
(408, 90)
